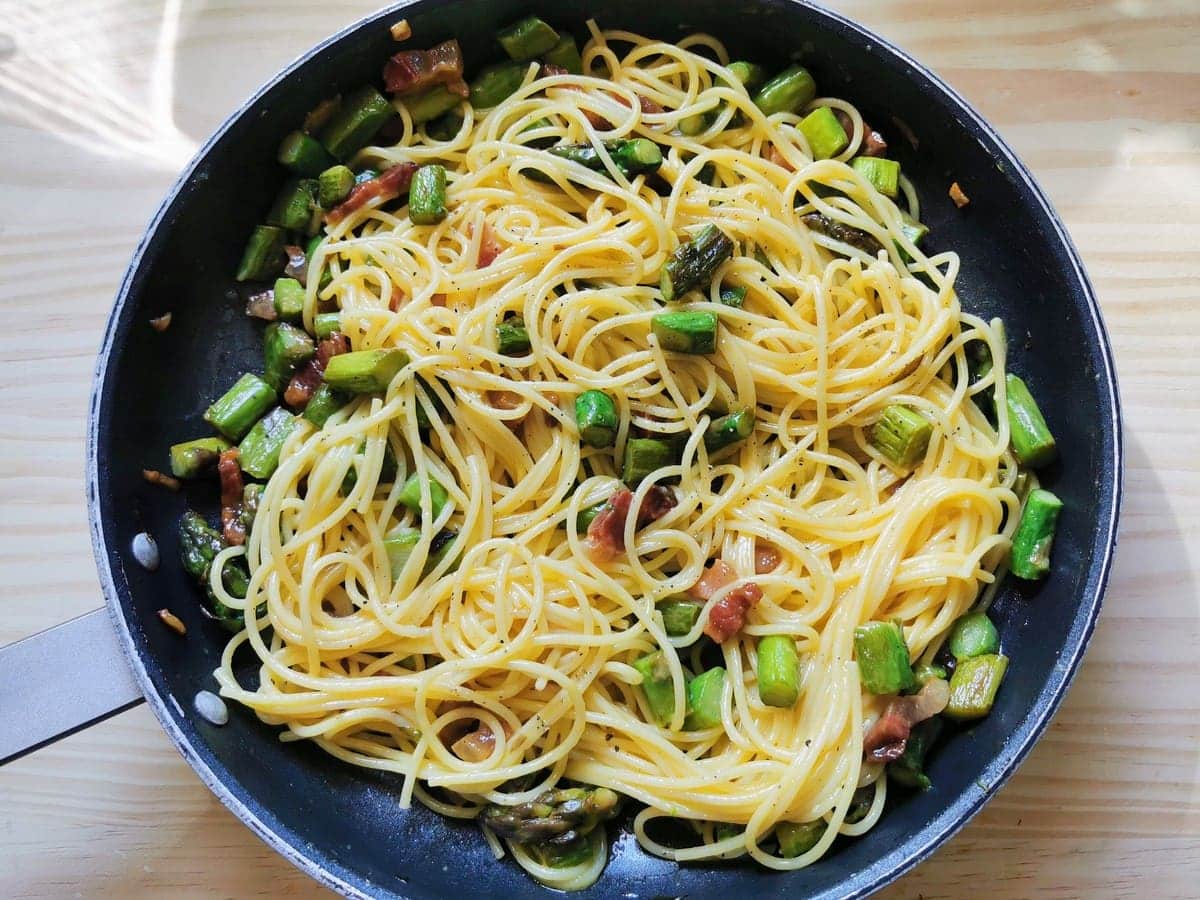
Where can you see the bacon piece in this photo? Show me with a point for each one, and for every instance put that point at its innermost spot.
(262, 305)
(411, 71)
(887, 738)
(873, 143)
(648, 105)
(297, 265)
(772, 155)
(161, 323)
(232, 528)
(401, 30)
(306, 381)
(395, 299)
(956, 194)
(596, 120)
(508, 401)
(475, 746)
(727, 615)
(438, 300)
(766, 558)
(549, 69)
(489, 247)
(717, 576)
(606, 533)
(156, 477)
(392, 183)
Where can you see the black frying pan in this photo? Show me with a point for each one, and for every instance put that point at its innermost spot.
(342, 824)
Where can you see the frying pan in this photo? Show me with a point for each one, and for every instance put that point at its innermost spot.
(341, 824)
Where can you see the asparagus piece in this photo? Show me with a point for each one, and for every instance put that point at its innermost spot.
(596, 416)
(251, 498)
(387, 471)
(324, 402)
(925, 673)
(778, 671)
(1030, 555)
(561, 815)
(974, 684)
(527, 38)
(258, 452)
(860, 805)
(334, 185)
(882, 655)
(913, 230)
(410, 495)
(294, 205)
(643, 456)
(634, 156)
(728, 430)
(289, 299)
(909, 769)
(789, 91)
(427, 195)
(657, 685)
(567, 854)
(902, 435)
(198, 545)
(304, 155)
(285, 349)
(973, 635)
(358, 119)
(565, 54)
(679, 616)
(512, 338)
(882, 174)
(704, 700)
(263, 257)
(364, 371)
(692, 264)
(240, 407)
(325, 324)
(495, 84)
(428, 105)
(825, 135)
(797, 838)
(734, 296)
(695, 124)
(1031, 439)
(749, 75)
(399, 546)
(446, 127)
(686, 332)
(192, 459)
(855, 237)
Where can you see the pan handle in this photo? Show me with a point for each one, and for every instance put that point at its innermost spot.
(61, 680)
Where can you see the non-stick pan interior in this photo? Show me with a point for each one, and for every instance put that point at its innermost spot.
(344, 824)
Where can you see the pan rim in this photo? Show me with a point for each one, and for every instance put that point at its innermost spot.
(319, 864)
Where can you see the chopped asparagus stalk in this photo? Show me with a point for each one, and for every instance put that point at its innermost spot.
(427, 196)
(883, 665)
(789, 91)
(860, 804)
(527, 38)
(325, 324)
(882, 174)
(644, 456)
(356, 121)
(198, 545)
(561, 815)
(263, 257)
(797, 838)
(973, 635)
(240, 407)
(974, 684)
(926, 673)
(749, 75)
(565, 54)
(258, 452)
(445, 128)
(570, 854)
(191, 459)
(692, 264)
(728, 430)
(1031, 439)
(704, 700)
(325, 276)
(410, 495)
(324, 402)
(855, 237)
(512, 338)
(902, 435)
(1030, 556)
(596, 416)
(304, 155)
(679, 616)
(334, 185)
(734, 297)
(909, 769)
(631, 157)
(285, 348)
(825, 135)
(387, 471)
(657, 685)
(914, 231)
(294, 205)
(497, 83)
(695, 124)
(399, 546)
(686, 332)
(778, 671)
(289, 299)
(427, 106)
(364, 371)
(251, 498)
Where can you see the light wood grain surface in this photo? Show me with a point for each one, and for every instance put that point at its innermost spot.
(103, 101)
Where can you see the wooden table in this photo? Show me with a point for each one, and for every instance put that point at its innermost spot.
(101, 104)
